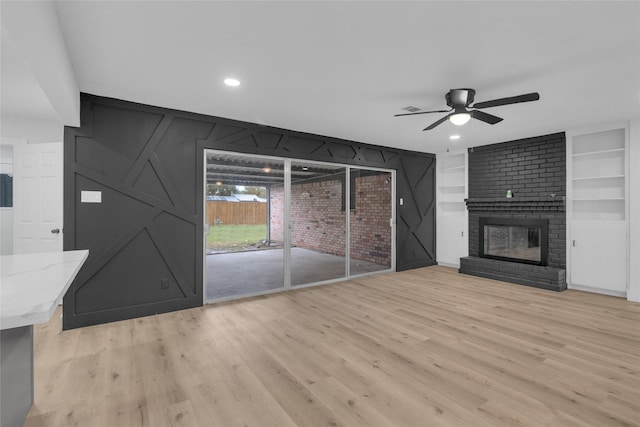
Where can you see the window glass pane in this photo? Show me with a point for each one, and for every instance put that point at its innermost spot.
(318, 222)
(370, 221)
(6, 191)
(244, 214)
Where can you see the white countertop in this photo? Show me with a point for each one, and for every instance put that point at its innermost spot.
(32, 285)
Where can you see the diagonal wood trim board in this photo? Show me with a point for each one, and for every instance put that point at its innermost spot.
(416, 348)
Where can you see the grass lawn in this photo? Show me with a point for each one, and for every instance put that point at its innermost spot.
(235, 237)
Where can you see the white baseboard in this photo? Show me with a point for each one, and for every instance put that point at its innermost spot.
(598, 291)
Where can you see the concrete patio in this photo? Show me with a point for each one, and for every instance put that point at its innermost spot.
(242, 273)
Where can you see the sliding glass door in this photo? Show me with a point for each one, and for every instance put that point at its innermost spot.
(244, 230)
(318, 222)
(273, 224)
(370, 224)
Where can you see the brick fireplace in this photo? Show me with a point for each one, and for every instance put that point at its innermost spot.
(534, 171)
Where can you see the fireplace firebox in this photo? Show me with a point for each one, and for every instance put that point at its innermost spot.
(514, 239)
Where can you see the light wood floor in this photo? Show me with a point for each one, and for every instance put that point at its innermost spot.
(426, 347)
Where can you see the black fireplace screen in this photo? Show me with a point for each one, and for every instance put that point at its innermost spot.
(519, 240)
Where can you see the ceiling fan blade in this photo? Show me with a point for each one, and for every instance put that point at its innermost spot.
(436, 123)
(421, 112)
(534, 96)
(485, 117)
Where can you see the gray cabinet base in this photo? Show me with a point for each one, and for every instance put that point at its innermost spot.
(16, 372)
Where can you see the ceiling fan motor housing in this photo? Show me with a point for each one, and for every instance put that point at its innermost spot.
(460, 97)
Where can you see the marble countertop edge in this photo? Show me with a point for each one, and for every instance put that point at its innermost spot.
(34, 284)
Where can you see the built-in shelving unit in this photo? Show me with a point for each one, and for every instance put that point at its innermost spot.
(452, 185)
(597, 207)
(452, 221)
(598, 176)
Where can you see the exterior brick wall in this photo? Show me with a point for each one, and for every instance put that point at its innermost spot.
(276, 214)
(534, 169)
(370, 229)
(318, 218)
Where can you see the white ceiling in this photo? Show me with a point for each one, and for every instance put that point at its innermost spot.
(343, 69)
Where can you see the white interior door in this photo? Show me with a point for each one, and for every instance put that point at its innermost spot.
(37, 197)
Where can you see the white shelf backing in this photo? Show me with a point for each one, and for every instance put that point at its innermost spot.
(607, 210)
(610, 187)
(600, 142)
(610, 163)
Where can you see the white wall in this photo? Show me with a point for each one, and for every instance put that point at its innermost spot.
(32, 130)
(6, 214)
(633, 293)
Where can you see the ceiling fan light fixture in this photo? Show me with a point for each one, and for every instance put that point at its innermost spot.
(232, 82)
(459, 119)
(460, 99)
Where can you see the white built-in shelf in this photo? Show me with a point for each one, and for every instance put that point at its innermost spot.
(451, 184)
(599, 152)
(445, 187)
(588, 178)
(598, 175)
(453, 208)
(598, 199)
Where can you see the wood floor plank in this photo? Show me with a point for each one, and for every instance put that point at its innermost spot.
(180, 415)
(424, 347)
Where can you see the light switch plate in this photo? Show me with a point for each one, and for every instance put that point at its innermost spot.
(90, 196)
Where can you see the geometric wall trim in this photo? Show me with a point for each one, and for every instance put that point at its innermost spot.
(145, 239)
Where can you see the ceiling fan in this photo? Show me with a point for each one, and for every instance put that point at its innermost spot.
(459, 100)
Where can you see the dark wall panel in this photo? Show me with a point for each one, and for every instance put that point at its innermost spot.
(145, 238)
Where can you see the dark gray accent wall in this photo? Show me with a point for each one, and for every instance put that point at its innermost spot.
(146, 237)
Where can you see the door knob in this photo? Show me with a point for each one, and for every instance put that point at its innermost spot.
(55, 231)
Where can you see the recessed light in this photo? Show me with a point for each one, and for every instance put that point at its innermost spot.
(218, 182)
(454, 137)
(266, 170)
(232, 82)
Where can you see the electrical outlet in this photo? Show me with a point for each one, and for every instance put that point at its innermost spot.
(164, 283)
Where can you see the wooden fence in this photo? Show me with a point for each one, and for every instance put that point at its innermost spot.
(220, 212)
